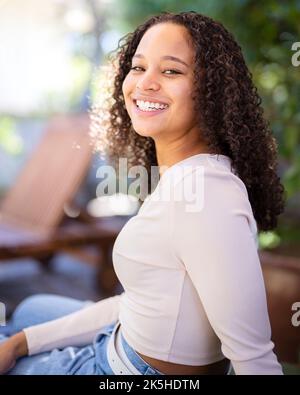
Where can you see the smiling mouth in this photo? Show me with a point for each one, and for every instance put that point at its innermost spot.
(144, 109)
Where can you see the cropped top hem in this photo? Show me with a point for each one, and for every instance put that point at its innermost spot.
(181, 359)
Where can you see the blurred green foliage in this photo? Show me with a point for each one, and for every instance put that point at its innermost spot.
(10, 141)
(269, 240)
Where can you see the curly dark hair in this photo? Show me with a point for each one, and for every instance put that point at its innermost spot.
(227, 105)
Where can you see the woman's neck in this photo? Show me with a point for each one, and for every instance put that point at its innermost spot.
(168, 157)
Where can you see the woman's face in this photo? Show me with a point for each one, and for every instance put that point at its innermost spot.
(162, 73)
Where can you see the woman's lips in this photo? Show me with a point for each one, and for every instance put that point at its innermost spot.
(140, 112)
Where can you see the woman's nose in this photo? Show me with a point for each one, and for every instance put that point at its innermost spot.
(147, 81)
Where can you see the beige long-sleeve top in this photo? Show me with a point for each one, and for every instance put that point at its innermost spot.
(193, 285)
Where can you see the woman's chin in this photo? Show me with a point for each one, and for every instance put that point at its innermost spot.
(146, 133)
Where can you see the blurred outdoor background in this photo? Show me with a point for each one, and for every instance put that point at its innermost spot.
(56, 234)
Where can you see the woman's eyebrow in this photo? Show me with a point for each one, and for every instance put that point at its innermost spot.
(167, 57)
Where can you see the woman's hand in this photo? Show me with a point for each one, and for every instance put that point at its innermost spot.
(12, 349)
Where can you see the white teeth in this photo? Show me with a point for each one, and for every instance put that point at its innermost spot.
(150, 106)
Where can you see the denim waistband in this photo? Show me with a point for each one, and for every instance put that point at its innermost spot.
(142, 366)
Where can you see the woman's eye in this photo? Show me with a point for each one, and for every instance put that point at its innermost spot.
(135, 68)
(172, 71)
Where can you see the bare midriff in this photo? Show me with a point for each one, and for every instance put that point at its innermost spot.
(219, 367)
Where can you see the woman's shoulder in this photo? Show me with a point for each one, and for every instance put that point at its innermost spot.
(203, 184)
(213, 197)
(213, 177)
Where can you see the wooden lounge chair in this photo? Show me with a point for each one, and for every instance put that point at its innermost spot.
(32, 218)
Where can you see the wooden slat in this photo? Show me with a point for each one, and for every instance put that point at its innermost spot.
(18, 243)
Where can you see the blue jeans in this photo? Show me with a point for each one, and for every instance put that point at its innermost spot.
(88, 360)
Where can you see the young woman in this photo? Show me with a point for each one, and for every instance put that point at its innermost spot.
(194, 298)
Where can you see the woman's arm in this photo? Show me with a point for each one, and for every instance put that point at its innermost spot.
(218, 249)
(76, 329)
